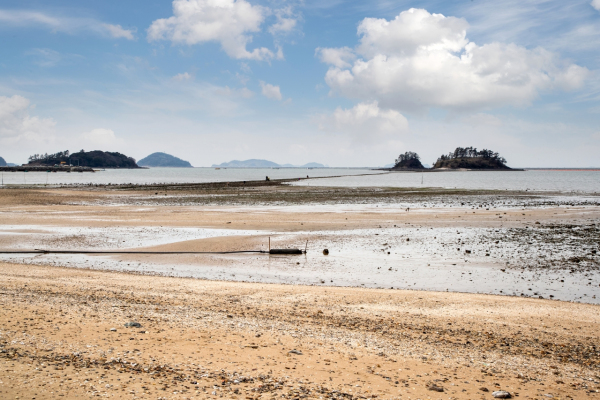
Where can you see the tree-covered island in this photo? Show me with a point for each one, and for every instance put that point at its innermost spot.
(92, 159)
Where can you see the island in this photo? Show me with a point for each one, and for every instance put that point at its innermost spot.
(470, 158)
(159, 159)
(90, 159)
(2, 162)
(408, 161)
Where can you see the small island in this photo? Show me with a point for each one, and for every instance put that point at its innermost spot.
(3, 162)
(470, 158)
(159, 159)
(82, 159)
(408, 161)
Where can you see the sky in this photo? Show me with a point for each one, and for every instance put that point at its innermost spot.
(342, 83)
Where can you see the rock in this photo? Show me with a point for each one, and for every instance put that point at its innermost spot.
(113, 329)
(435, 388)
(501, 394)
(133, 325)
(295, 352)
(468, 251)
(325, 252)
(484, 389)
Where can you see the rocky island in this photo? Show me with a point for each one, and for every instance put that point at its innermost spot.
(408, 161)
(159, 159)
(470, 158)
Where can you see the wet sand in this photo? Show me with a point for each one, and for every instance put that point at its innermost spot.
(219, 339)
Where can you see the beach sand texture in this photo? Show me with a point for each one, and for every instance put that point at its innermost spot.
(63, 333)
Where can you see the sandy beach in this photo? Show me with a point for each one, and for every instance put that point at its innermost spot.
(220, 326)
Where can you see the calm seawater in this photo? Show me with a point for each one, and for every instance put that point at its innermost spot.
(563, 181)
(172, 175)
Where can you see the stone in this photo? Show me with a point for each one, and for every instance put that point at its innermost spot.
(435, 388)
(325, 252)
(113, 329)
(501, 394)
(295, 352)
(133, 325)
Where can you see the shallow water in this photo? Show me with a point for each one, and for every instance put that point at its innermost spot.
(172, 175)
(535, 180)
(555, 181)
(432, 259)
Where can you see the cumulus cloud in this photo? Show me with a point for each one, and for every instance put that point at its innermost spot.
(101, 137)
(596, 4)
(27, 18)
(228, 22)
(364, 121)
(286, 21)
(16, 124)
(420, 60)
(341, 57)
(270, 91)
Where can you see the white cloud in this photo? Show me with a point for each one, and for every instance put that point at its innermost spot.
(101, 137)
(421, 60)
(182, 77)
(482, 120)
(228, 22)
(286, 21)
(341, 57)
(116, 31)
(270, 91)
(16, 124)
(365, 121)
(26, 18)
(596, 4)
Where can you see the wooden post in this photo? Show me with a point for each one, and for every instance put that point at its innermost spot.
(269, 243)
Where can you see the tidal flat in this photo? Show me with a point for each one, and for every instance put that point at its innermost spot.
(423, 289)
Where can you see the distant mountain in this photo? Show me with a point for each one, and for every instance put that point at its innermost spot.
(253, 163)
(312, 165)
(2, 162)
(163, 160)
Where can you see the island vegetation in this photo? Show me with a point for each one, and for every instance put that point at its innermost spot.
(408, 160)
(159, 159)
(92, 159)
(471, 158)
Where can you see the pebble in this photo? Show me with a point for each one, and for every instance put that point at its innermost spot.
(113, 329)
(133, 325)
(501, 394)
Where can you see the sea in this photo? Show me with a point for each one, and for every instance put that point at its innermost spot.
(568, 181)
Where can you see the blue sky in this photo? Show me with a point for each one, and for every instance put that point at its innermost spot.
(344, 83)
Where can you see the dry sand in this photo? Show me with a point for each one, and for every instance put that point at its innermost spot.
(202, 339)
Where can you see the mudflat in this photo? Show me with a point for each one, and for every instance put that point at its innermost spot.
(63, 333)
